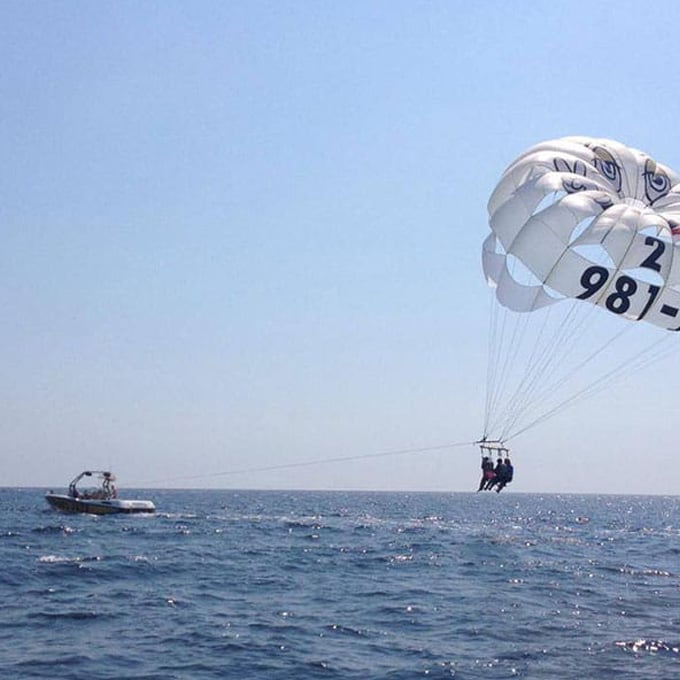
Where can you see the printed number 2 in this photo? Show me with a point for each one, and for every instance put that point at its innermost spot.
(652, 260)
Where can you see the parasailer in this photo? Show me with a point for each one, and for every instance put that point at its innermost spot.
(504, 474)
(487, 472)
(500, 474)
(590, 228)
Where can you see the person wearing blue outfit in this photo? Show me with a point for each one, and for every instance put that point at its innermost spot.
(505, 476)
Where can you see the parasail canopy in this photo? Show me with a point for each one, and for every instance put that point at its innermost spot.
(593, 225)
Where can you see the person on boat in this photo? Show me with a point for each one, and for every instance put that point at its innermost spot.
(487, 472)
(507, 474)
(108, 487)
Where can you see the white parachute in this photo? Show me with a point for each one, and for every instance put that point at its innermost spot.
(590, 227)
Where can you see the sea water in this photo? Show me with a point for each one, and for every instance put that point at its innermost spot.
(292, 584)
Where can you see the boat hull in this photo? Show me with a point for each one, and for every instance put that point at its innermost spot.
(98, 507)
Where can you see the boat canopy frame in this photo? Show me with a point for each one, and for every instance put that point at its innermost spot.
(106, 491)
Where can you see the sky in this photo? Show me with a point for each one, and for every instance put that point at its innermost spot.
(247, 235)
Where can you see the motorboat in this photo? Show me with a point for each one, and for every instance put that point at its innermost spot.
(101, 500)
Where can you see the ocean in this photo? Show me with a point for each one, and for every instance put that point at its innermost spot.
(306, 585)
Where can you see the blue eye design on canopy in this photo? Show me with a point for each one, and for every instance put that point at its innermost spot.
(607, 165)
(571, 185)
(657, 183)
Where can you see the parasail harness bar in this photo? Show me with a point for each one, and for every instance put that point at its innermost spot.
(492, 446)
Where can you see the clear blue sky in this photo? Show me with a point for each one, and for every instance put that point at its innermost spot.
(246, 234)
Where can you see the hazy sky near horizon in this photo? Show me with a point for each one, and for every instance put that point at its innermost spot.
(247, 234)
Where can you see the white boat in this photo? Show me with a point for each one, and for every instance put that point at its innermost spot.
(102, 500)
